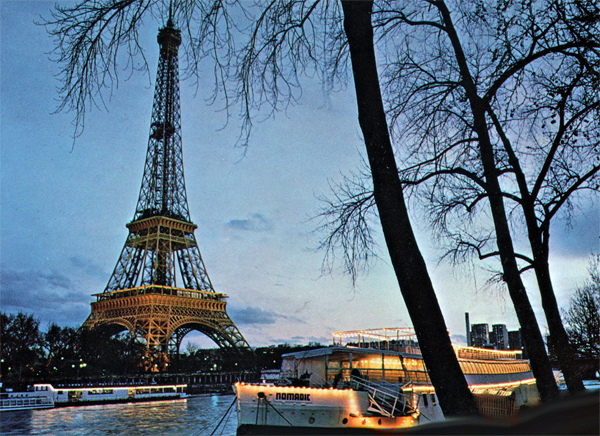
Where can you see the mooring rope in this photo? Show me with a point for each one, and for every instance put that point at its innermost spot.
(224, 416)
(225, 424)
(275, 409)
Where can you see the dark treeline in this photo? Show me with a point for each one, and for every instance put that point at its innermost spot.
(29, 355)
(60, 354)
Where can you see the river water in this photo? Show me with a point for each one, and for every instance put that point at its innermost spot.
(191, 416)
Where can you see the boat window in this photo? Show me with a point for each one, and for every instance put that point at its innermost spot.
(425, 400)
(433, 401)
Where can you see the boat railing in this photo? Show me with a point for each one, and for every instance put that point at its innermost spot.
(386, 399)
(313, 380)
(316, 381)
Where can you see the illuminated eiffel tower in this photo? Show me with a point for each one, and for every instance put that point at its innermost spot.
(159, 289)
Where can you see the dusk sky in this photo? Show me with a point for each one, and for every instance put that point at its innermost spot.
(64, 205)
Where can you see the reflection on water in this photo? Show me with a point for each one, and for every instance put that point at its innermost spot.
(193, 416)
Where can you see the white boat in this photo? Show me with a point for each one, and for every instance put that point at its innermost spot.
(106, 394)
(24, 401)
(380, 385)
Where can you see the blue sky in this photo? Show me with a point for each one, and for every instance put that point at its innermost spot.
(64, 205)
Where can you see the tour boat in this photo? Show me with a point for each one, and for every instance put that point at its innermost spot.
(73, 396)
(376, 386)
(25, 401)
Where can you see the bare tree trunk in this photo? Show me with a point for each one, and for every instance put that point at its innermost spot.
(411, 271)
(540, 364)
(565, 352)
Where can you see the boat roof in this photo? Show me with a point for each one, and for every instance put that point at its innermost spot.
(327, 351)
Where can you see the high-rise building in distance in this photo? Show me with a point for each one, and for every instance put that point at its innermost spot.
(499, 336)
(480, 335)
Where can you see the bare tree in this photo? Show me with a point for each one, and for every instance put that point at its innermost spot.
(450, 149)
(499, 110)
(409, 265)
(583, 315)
(347, 219)
(279, 42)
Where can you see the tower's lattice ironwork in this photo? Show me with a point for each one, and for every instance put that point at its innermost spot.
(160, 289)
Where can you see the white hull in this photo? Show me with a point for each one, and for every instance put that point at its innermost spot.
(357, 390)
(266, 406)
(25, 401)
(108, 394)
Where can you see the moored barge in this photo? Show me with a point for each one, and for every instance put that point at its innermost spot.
(376, 385)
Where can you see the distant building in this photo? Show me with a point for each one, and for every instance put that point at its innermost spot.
(499, 336)
(479, 335)
(515, 342)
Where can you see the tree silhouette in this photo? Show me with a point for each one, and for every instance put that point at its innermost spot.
(583, 316)
(508, 135)
(21, 345)
(497, 114)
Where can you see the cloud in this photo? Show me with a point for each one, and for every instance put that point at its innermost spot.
(255, 223)
(25, 280)
(39, 292)
(253, 315)
(458, 339)
(88, 266)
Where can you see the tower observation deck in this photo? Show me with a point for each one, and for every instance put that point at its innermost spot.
(159, 289)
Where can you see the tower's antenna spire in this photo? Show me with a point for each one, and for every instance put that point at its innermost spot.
(170, 21)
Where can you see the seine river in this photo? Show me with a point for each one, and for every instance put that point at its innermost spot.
(192, 416)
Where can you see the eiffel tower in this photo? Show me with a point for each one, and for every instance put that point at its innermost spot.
(159, 289)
